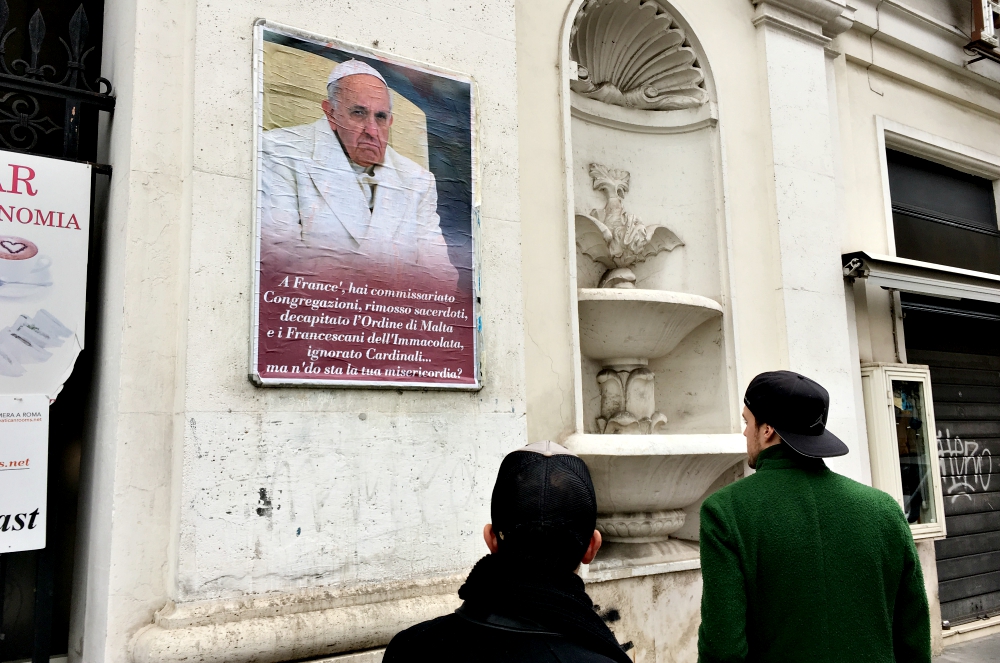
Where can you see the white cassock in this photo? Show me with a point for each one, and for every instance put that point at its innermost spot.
(313, 201)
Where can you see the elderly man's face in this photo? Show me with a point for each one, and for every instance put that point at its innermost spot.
(361, 118)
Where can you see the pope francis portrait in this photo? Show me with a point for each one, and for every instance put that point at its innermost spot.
(335, 195)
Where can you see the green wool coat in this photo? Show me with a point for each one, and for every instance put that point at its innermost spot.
(800, 563)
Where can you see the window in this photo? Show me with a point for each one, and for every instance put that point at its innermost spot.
(902, 442)
(943, 215)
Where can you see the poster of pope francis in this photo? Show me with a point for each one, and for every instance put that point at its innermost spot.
(366, 181)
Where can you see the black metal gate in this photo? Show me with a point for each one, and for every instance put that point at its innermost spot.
(959, 341)
(51, 95)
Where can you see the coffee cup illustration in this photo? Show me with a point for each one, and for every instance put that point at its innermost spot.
(20, 260)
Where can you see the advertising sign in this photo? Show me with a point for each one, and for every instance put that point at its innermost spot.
(24, 444)
(365, 202)
(44, 232)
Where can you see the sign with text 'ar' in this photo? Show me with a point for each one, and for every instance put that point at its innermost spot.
(24, 442)
(44, 233)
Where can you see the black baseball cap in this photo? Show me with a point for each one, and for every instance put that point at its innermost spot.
(544, 508)
(797, 408)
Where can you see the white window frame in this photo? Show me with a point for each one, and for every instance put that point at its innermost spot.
(919, 143)
(883, 450)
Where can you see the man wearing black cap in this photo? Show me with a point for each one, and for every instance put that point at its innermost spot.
(524, 601)
(800, 563)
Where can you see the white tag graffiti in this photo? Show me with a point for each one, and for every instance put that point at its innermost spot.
(965, 468)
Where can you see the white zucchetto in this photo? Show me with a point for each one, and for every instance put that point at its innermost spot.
(351, 68)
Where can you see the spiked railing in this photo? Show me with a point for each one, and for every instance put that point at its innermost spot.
(25, 85)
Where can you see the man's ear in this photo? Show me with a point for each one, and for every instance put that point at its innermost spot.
(595, 545)
(490, 537)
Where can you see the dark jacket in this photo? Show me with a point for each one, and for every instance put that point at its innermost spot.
(800, 563)
(513, 614)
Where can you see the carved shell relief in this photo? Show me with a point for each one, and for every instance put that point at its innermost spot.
(632, 53)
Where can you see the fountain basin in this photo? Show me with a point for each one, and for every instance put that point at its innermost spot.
(648, 473)
(630, 326)
(643, 484)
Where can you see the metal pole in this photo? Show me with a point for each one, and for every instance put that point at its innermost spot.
(71, 128)
(3, 595)
(44, 587)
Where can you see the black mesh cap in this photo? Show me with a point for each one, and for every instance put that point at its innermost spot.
(544, 508)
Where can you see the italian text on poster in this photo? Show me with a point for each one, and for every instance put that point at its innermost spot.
(44, 234)
(365, 210)
(24, 446)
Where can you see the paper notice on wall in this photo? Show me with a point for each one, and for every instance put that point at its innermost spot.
(365, 241)
(44, 234)
(24, 444)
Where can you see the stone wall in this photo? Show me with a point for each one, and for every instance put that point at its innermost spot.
(204, 486)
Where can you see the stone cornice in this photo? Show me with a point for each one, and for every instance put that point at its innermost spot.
(818, 21)
(924, 36)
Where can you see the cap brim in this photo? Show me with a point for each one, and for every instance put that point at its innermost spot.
(825, 445)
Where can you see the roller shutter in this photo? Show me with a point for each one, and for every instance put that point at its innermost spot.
(967, 408)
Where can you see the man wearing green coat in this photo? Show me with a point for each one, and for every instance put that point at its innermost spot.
(800, 563)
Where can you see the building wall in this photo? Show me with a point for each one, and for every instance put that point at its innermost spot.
(128, 498)
(279, 524)
(365, 487)
(904, 63)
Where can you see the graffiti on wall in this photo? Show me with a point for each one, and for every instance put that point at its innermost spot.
(966, 466)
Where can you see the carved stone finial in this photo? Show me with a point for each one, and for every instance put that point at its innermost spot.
(631, 53)
(616, 238)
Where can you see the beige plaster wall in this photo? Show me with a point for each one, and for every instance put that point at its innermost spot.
(545, 266)
(128, 496)
(183, 443)
(373, 486)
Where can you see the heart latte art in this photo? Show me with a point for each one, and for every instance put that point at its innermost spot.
(17, 248)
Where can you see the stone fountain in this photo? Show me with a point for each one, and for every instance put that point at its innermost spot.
(644, 478)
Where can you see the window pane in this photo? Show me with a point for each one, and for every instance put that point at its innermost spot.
(914, 453)
(930, 188)
(920, 239)
(942, 215)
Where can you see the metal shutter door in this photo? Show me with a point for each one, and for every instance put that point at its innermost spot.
(967, 408)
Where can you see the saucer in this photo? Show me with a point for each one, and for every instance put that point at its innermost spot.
(30, 285)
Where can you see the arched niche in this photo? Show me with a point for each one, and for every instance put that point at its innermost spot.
(639, 101)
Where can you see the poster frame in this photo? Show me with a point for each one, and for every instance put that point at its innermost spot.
(259, 26)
